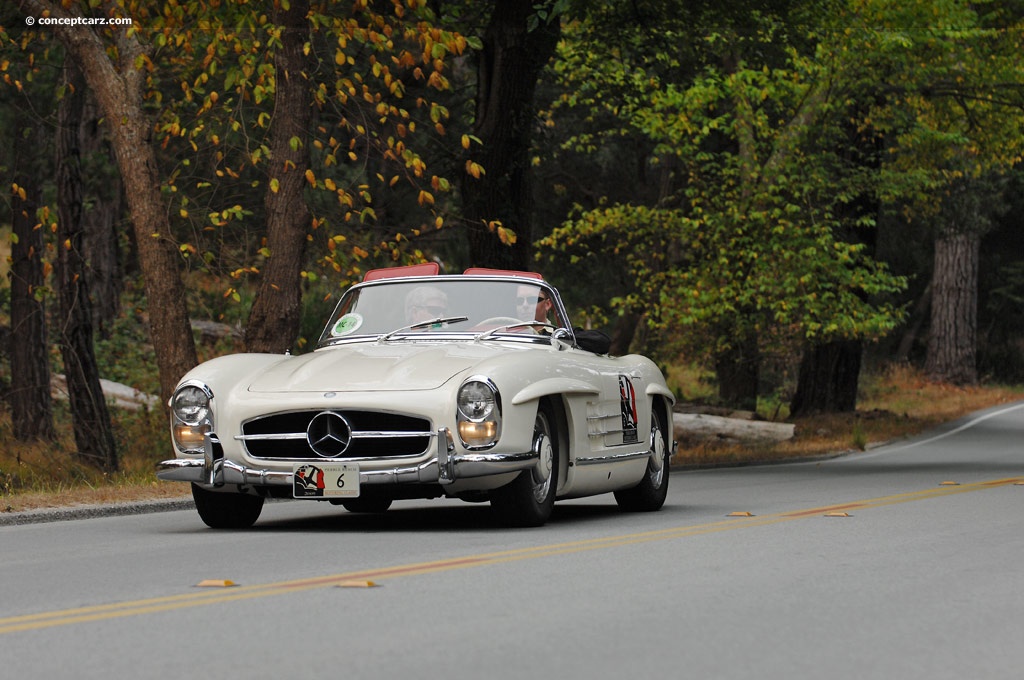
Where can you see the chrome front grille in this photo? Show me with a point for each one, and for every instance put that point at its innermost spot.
(374, 434)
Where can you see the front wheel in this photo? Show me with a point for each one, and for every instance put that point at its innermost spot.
(650, 494)
(528, 500)
(227, 510)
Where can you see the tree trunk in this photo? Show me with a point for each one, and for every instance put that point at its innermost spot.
(31, 406)
(119, 90)
(93, 433)
(952, 341)
(100, 223)
(828, 379)
(738, 372)
(917, 319)
(510, 64)
(623, 333)
(277, 309)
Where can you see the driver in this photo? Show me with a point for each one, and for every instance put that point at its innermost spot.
(533, 303)
(424, 303)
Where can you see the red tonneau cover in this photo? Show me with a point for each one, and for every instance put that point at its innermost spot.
(432, 269)
(483, 271)
(424, 269)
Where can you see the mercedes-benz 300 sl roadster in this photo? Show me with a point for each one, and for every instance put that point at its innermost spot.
(471, 386)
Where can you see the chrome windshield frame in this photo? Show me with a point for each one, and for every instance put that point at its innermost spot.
(327, 339)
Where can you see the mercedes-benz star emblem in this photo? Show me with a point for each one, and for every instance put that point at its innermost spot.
(329, 434)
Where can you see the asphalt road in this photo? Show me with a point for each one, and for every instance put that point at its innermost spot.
(903, 562)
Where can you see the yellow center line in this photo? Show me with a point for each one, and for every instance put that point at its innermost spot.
(202, 598)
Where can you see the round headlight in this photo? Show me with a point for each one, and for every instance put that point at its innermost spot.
(476, 400)
(191, 404)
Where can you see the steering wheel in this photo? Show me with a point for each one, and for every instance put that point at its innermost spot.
(499, 321)
(496, 322)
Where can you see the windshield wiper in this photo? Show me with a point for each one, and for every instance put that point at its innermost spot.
(518, 324)
(422, 324)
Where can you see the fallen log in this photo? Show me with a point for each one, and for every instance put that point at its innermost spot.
(698, 427)
(212, 331)
(117, 394)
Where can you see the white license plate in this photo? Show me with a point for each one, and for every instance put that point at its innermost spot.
(334, 480)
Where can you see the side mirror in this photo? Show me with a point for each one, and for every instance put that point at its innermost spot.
(563, 335)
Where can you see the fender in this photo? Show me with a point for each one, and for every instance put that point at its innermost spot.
(656, 389)
(553, 386)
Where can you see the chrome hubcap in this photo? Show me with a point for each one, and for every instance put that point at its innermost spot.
(656, 463)
(545, 450)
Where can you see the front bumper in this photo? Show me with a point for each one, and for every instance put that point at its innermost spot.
(443, 467)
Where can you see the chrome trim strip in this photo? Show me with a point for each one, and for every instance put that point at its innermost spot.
(483, 464)
(361, 434)
(602, 433)
(397, 434)
(445, 464)
(444, 467)
(180, 470)
(596, 460)
(594, 421)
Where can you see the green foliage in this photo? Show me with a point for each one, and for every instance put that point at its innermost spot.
(763, 272)
(938, 82)
(714, 167)
(635, 238)
(126, 355)
(783, 133)
(373, 72)
(751, 247)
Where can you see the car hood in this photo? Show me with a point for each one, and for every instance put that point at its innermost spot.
(371, 367)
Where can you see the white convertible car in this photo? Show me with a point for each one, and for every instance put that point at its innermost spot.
(471, 386)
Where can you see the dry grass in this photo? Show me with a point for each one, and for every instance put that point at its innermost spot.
(101, 495)
(49, 475)
(896, 404)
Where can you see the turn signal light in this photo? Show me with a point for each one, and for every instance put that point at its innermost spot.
(190, 437)
(478, 434)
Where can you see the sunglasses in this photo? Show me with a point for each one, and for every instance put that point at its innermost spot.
(523, 300)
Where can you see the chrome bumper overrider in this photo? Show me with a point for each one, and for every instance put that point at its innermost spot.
(443, 467)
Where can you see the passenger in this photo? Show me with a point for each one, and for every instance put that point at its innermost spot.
(424, 303)
(533, 303)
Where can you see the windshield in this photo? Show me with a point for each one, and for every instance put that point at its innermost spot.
(463, 305)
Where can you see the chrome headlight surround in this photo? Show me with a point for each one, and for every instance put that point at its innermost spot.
(478, 413)
(191, 415)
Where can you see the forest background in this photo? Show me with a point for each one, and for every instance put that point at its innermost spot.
(765, 197)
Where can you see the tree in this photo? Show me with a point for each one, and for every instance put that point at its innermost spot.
(22, 136)
(966, 215)
(791, 130)
(311, 122)
(102, 221)
(496, 187)
(114, 60)
(952, 344)
(274, 318)
(756, 264)
(946, 96)
(941, 93)
(31, 411)
(93, 434)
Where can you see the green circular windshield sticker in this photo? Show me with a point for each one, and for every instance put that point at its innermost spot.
(347, 324)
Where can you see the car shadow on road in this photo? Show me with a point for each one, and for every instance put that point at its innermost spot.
(450, 518)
